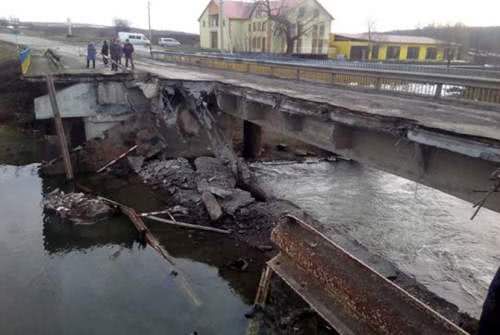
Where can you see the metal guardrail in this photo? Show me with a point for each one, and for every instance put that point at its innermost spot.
(424, 84)
(459, 70)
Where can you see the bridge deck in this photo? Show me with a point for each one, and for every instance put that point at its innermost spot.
(462, 119)
(469, 120)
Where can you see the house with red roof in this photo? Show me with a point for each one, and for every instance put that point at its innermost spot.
(246, 26)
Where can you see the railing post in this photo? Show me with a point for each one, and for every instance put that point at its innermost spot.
(439, 91)
(378, 83)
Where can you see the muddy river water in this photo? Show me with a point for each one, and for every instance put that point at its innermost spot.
(60, 279)
(425, 233)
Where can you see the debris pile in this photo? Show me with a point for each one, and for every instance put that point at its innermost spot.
(210, 185)
(77, 208)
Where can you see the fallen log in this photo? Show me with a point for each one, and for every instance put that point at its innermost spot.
(114, 161)
(153, 242)
(188, 225)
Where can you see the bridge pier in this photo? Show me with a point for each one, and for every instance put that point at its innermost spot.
(252, 140)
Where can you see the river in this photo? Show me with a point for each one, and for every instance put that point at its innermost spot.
(62, 279)
(427, 234)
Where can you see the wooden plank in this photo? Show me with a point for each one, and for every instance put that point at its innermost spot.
(188, 225)
(114, 161)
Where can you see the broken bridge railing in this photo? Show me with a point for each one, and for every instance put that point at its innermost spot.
(428, 85)
(345, 292)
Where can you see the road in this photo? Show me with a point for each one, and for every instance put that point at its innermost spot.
(463, 120)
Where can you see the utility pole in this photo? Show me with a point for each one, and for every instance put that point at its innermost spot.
(70, 28)
(149, 23)
(221, 24)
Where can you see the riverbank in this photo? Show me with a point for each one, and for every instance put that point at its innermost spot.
(16, 95)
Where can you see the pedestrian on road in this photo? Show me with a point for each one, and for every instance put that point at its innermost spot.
(105, 53)
(91, 54)
(128, 50)
(120, 51)
(115, 51)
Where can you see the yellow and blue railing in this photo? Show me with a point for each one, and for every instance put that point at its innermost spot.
(25, 59)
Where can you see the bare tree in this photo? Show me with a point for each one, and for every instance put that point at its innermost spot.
(283, 25)
(371, 25)
(121, 24)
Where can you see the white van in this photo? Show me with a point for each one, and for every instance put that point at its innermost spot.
(169, 42)
(134, 38)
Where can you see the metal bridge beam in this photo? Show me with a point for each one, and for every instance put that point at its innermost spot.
(349, 295)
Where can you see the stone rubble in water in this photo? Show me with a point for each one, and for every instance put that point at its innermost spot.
(211, 184)
(77, 208)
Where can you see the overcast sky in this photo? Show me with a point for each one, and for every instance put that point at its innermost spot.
(182, 15)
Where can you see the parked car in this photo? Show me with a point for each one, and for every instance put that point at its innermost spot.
(134, 38)
(168, 42)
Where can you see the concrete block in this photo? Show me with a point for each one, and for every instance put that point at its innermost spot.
(79, 100)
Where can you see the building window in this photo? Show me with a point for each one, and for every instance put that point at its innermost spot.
(259, 43)
(314, 45)
(264, 44)
(264, 26)
(413, 53)
(322, 31)
(431, 54)
(393, 52)
(302, 12)
(203, 23)
(375, 52)
(315, 30)
(299, 45)
(320, 46)
(213, 20)
(316, 13)
(249, 28)
(254, 26)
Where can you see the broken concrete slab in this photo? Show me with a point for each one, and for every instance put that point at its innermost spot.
(135, 163)
(237, 200)
(204, 186)
(170, 173)
(215, 172)
(212, 206)
(150, 89)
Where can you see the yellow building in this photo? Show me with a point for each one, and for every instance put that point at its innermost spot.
(245, 26)
(382, 47)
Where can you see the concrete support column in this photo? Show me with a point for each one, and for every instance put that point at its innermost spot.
(252, 140)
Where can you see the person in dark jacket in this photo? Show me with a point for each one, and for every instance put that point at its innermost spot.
(91, 54)
(115, 51)
(489, 324)
(128, 51)
(105, 53)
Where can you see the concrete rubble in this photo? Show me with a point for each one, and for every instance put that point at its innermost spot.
(77, 208)
(210, 185)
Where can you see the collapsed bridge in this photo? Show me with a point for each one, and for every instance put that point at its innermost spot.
(450, 147)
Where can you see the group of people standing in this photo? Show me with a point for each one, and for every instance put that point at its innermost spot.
(112, 53)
